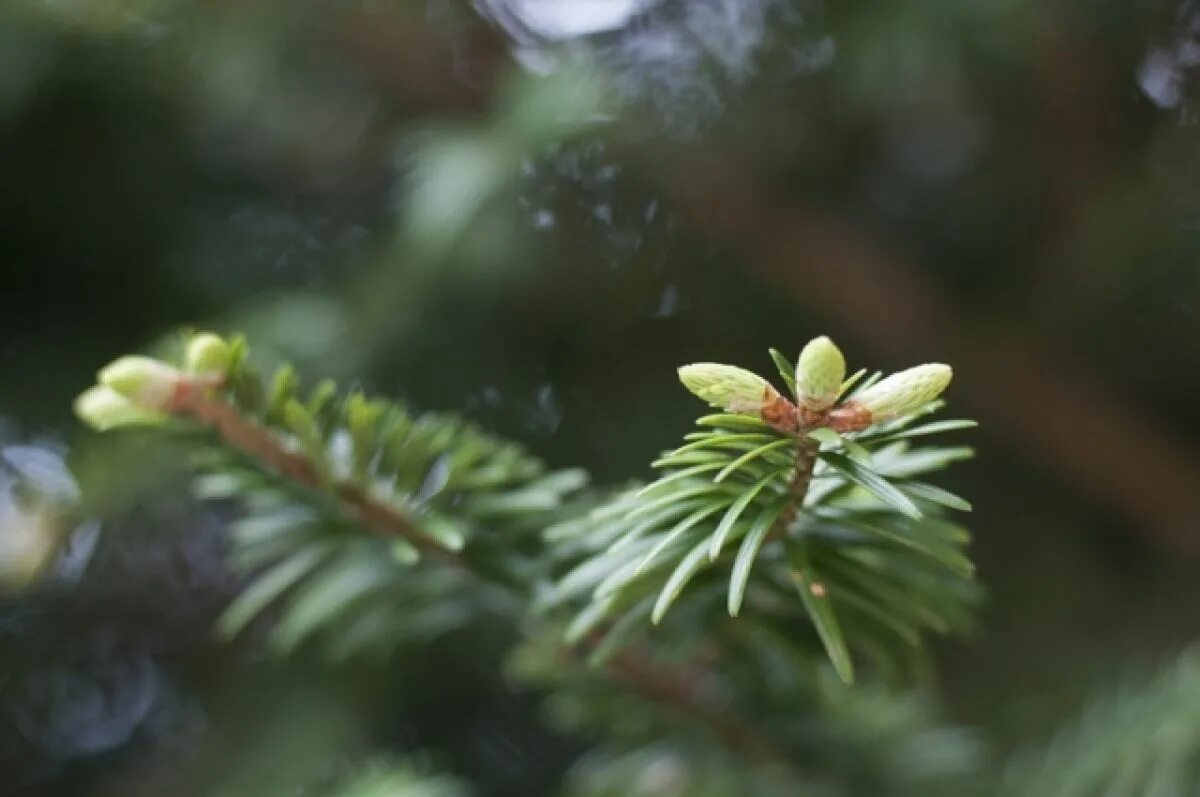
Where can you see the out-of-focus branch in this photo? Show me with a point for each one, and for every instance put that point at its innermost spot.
(678, 690)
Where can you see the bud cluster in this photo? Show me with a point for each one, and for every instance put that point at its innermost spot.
(819, 382)
(739, 391)
(136, 390)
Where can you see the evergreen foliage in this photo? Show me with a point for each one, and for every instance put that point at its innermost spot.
(398, 779)
(344, 495)
(699, 630)
(1143, 739)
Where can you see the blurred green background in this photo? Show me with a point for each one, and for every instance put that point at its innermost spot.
(531, 212)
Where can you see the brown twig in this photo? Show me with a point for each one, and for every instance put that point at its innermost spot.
(806, 461)
(269, 450)
(682, 691)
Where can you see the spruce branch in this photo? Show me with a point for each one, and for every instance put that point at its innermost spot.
(343, 496)
(822, 491)
(220, 397)
(346, 493)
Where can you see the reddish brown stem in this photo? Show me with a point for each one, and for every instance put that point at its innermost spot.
(779, 413)
(681, 691)
(806, 460)
(269, 450)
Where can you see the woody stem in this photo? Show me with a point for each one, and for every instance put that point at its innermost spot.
(806, 461)
(244, 434)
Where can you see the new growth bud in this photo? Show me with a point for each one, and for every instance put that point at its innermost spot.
(142, 380)
(819, 374)
(741, 392)
(103, 408)
(732, 389)
(207, 355)
(904, 392)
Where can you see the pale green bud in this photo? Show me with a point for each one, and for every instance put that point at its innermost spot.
(143, 380)
(103, 408)
(903, 392)
(819, 374)
(730, 388)
(208, 355)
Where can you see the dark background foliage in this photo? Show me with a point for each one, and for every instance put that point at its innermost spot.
(1006, 186)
